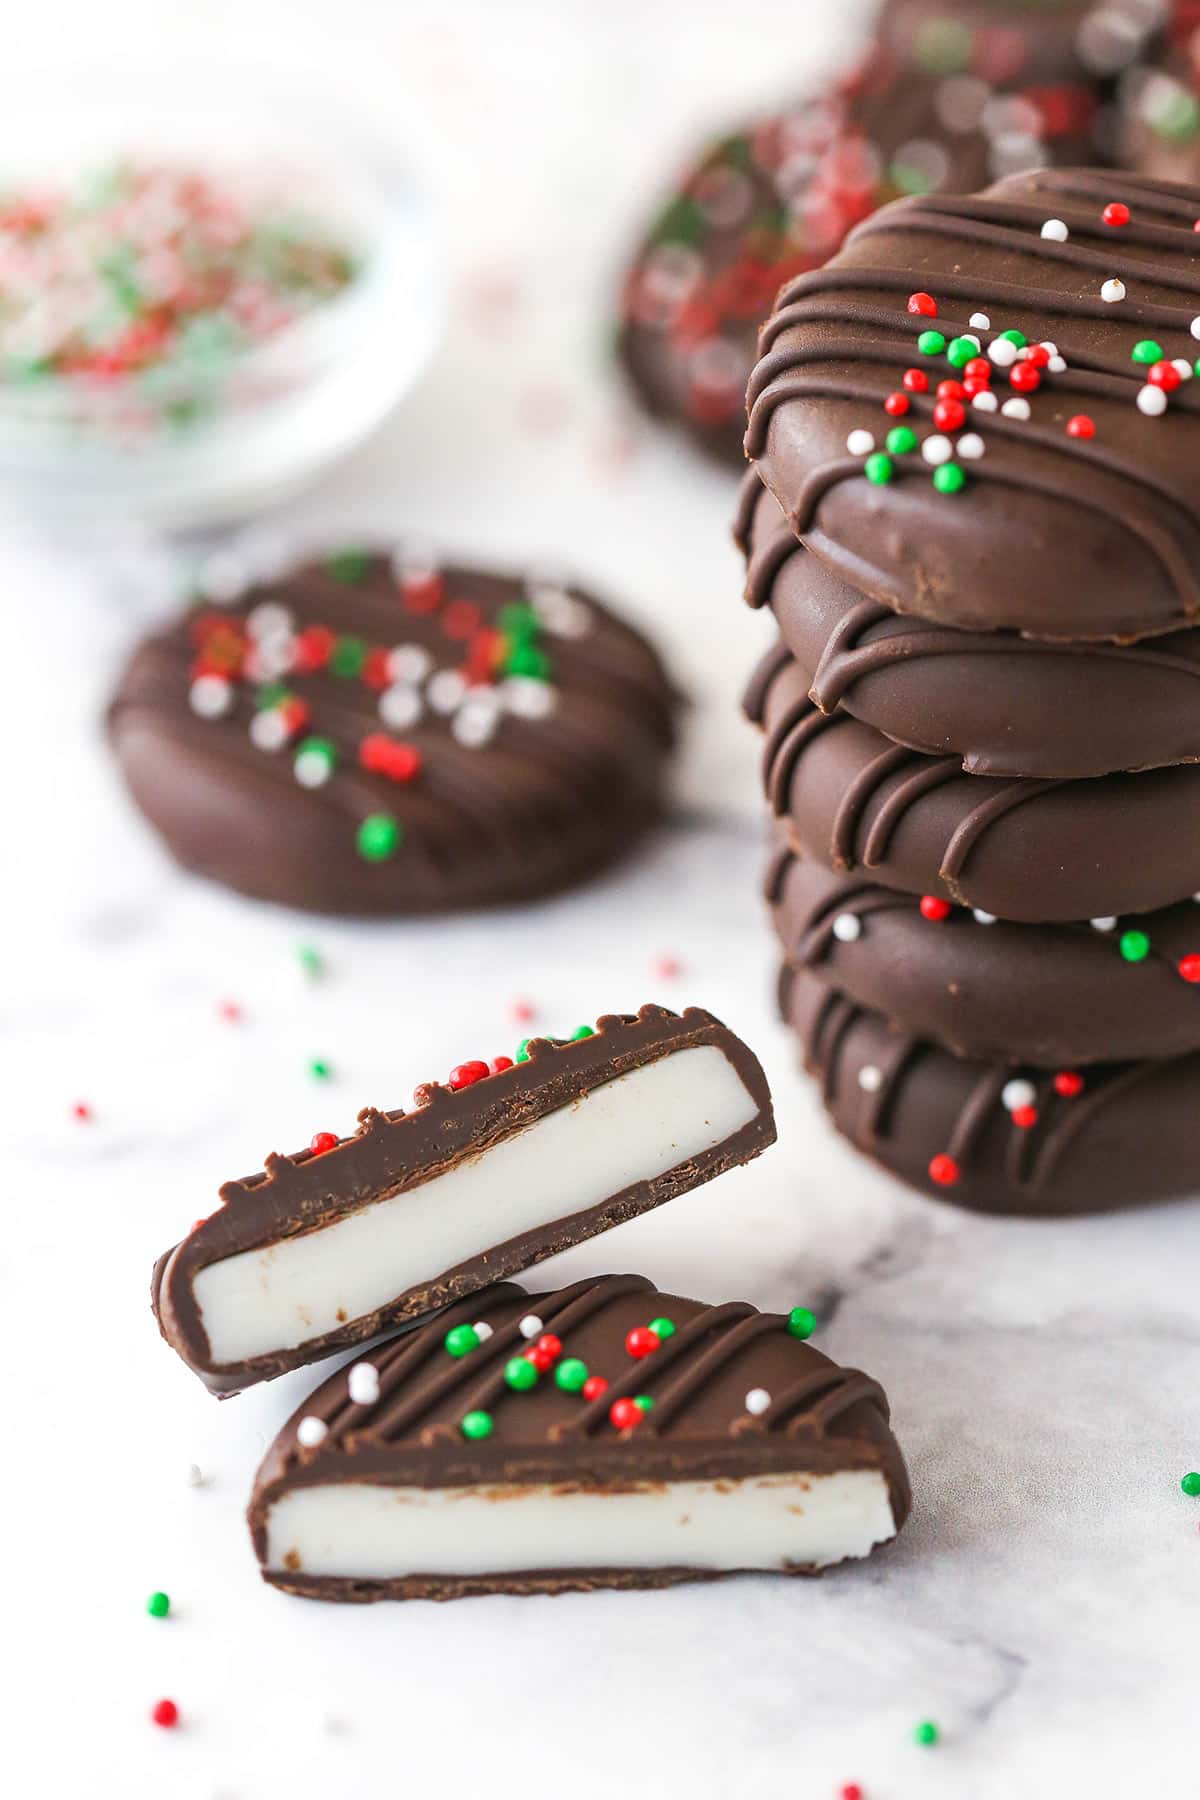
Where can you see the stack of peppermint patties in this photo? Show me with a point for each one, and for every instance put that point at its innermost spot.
(973, 511)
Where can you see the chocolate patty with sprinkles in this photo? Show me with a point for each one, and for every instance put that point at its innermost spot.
(983, 411)
(778, 197)
(372, 734)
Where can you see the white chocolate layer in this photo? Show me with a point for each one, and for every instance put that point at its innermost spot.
(764, 1522)
(634, 1128)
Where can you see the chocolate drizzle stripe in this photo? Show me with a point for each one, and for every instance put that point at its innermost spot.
(783, 752)
(842, 650)
(928, 774)
(640, 1375)
(850, 1388)
(735, 1334)
(1075, 1118)
(857, 797)
(973, 1120)
(970, 829)
(762, 680)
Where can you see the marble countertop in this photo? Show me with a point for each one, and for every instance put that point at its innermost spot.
(1041, 1606)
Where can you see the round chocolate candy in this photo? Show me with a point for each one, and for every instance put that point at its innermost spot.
(372, 735)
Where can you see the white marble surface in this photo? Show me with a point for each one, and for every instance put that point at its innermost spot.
(1042, 1604)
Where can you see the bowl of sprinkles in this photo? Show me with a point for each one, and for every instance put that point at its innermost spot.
(202, 306)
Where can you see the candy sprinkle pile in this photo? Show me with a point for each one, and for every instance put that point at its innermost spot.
(155, 279)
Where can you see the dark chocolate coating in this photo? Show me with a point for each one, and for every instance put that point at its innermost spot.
(1033, 41)
(393, 1151)
(545, 803)
(777, 197)
(1051, 995)
(1005, 704)
(1128, 1139)
(823, 1419)
(1025, 850)
(1056, 535)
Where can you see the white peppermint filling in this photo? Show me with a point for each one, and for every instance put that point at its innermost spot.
(355, 1530)
(634, 1128)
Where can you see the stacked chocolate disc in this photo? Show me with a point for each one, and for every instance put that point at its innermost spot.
(973, 510)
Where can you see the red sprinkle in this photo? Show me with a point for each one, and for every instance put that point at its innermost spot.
(594, 1386)
(1037, 354)
(850, 1791)
(1081, 426)
(461, 619)
(897, 405)
(500, 1063)
(422, 593)
(917, 381)
(230, 1011)
(375, 669)
(165, 1713)
(944, 1170)
(1026, 377)
(81, 1111)
(1189, 967)
(1024, 1117)
(545, 1353)
(977, 384)
(641, 1341)
(978, 369)
(624, 1414)
(949, 415)
(1165, 375)
(466, 1074)
(313, 648)
(321, 1141)
(522, 1012)
(668, 968)
(934, 908)
(950, 390)
(1068, 1084)
(383, 755)
(1115, 213)
(924, 304)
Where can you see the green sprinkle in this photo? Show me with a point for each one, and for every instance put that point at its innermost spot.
(349, 655)
(931, 343)
(1135, 946)
(909, 178)
(801, 1322)
(582, 1031)
(462, 1340)
(523, 1049)
(962, 350)
(318, 750)
(949, 479)
(681, 223)
(1177, 116)
(520, 1374)
(570, 1375)
(379, 836)
(526, 659)
(319, 1070)
(271, 693)
(158, 1605)
(644, 1403)
(349, 566)
(1015, 337)
(1147, 351)
(944, 46)
(663, 1328)
(477, 1425)
(878, 468)
(310, 960)
(901, 439)
(519, 620)
(926, 1732)
(1191, 1484)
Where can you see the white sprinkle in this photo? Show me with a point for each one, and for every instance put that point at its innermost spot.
(1113, 290)
(968, 337)
(1003, 352)
(980, 321)
(971, 446)
(860, 443)
(1016, 1094)
(937, 450)
(1103, 924)
(870, 1078)
(983, 918)
(269, 729)
(1016, 409)
(1051, 349)
(414, 562)
(1152, 401)
(482, 1330)
(757, 1401)
(445, 691)
(528, 697)
(985, 402)
(312, 768)
(311, 1431)
(559, 611)
(1195, 327)
(847, 927)
(364, 1384)
(409, 663)
(273, 655)
(400, 706)
(210, 697)
(474, 724)
(1184, 368)
(1056, 230)
(530, 1326)
(196, 1477)
(269, 619)
(1057, 365)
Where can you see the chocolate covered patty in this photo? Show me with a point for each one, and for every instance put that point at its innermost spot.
(779, 196)
(1052, 995)
(1025, 850)
(606, 1435)
(1031, 41)
(996, 1137)
(1006, 704)
(373, 735)
(1049, 487)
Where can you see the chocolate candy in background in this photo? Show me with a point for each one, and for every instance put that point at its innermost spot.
(1030, 41)
(1056, 495)
(1052, 995)
(993, 1136)
(1028, 851)
(370, 735)
(1005, 704)
(1160, 103)
(329, 1248)
(779, 196)
(744, 1448)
